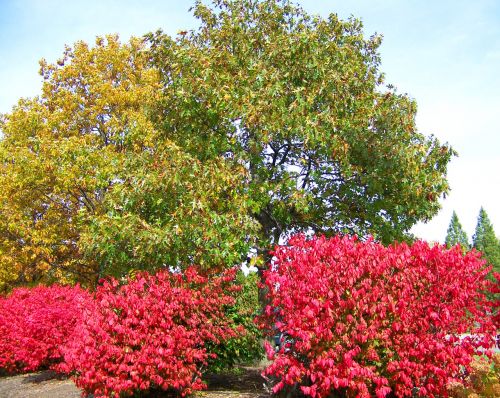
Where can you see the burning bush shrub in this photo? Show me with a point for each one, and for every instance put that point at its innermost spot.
(35, 325)
(151, 333)
(367, 320)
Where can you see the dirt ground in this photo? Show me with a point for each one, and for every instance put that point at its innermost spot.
(246, 384)
(38, 385)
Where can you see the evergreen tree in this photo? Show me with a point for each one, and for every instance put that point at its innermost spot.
(456, 234)
(485, 240)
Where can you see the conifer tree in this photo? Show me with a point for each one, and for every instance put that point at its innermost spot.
(485, 240)
(456, 234)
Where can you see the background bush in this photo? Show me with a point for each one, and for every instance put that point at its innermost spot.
(35, 325)
(245, 349)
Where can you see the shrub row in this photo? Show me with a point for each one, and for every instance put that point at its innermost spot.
(151, 332)
(365, 320)
(356, 319)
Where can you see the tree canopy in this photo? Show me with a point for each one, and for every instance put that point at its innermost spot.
(456, 234)
(301, 102)
(88, 187)
(168, 151)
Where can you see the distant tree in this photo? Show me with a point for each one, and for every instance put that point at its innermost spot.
(485, 240)
(456, 234)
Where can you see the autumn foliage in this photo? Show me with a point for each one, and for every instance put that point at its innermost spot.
(150, 333)
(262, 122)
(364, 320)
(482, 381)
(36, 323)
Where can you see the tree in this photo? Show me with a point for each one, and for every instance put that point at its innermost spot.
(88, 187)
(191, 150)
(485, 240)
(456, 234)
(300, 102)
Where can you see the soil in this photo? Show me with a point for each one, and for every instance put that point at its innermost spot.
(247, 383)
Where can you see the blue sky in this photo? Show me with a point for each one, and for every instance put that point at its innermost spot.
(445, 54)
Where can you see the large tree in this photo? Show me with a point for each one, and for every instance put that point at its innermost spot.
(262, 122)
(456, 234)
(485, 240)
(299, 100)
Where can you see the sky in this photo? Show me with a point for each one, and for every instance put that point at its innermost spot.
(445, 54)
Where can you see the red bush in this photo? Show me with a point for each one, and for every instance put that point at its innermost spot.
(365, 320)
(36, 323)
(150, 333)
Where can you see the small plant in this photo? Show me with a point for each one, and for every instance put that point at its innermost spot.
(482, 381)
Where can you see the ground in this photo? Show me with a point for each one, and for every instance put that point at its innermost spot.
(38, 385)
(246, 384)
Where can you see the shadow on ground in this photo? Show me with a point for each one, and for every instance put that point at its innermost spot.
(246, 383)
(45, 384)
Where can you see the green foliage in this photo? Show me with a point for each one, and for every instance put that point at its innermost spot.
(485, 240)
(171, 210)
(456, 234)
(191, 150)
(89, 187)
(246, 349)
(300, 101)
